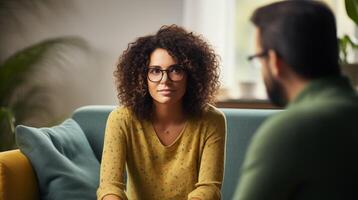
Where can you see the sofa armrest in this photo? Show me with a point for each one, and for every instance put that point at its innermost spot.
(17, 177)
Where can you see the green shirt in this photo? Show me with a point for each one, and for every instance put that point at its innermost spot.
(309, 151)
(192, 166)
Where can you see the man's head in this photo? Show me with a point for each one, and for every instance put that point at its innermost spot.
(300, 36)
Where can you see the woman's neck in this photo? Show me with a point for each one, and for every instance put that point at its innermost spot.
(165, 113)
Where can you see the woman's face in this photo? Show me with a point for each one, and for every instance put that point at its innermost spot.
(165, 87)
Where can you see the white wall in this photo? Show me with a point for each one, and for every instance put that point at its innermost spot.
(108, 26)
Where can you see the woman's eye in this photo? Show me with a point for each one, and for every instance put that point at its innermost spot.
(176, 70)
(154, 71)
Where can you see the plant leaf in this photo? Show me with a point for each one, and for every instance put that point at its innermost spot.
(9, 117)
(7, 127)
(352, 10)
(34, 100)
(14, 70)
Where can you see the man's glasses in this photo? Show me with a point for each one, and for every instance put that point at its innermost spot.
(253, 59)
(174, 73)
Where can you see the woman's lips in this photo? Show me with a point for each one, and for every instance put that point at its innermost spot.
(166, 91)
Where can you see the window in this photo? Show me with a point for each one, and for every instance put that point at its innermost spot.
(226, 25)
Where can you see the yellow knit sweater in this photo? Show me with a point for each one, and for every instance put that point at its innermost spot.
(192, 166)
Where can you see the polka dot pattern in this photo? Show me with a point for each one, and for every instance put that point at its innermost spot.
(192, 166)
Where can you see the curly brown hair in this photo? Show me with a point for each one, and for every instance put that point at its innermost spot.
(187, 49)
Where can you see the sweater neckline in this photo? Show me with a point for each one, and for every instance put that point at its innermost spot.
(156, 138)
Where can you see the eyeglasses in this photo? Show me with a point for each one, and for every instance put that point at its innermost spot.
(174, 73)
(253, 59)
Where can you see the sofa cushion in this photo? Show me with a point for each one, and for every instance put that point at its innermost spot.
(65, 165)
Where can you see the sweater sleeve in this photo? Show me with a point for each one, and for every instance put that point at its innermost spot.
(113, 157)
(212, 162)
(272, 162)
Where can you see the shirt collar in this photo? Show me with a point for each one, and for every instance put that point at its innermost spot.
(319, 86)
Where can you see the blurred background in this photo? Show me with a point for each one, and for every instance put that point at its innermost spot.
(59, 55)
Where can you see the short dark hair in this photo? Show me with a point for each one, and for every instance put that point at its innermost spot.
(302, 33)
(187, 49)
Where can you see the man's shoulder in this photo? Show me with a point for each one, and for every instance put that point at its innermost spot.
(309, 117)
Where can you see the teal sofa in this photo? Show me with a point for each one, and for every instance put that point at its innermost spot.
(241, 125)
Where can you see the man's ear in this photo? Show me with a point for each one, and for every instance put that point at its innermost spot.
(276, 64)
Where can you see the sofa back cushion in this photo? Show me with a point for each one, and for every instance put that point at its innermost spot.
(241, 125)
(64, 163)
(92, 120)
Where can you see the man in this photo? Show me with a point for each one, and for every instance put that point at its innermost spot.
(310, 150)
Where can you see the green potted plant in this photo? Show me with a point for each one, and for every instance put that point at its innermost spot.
(346, 43)
(20, 97)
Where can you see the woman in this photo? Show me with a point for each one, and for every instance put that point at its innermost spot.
(167, 136)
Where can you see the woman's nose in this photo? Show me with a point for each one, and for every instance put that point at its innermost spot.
(165, 77)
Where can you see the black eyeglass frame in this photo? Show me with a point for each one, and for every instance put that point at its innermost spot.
(167, 71)
(258, 55)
